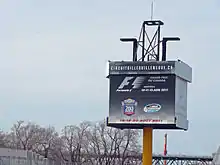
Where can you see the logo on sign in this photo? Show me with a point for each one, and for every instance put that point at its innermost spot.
(130, 83)
(129, 106)
(151, 108)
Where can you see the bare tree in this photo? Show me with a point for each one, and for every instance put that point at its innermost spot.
(25, 136)
(46, 141)
(101, 146)
(94, 143)
(4, 141)
(122, 142)
(111, 146)
(129, 144)
(68, 146)
(58, 150)
(81, 142)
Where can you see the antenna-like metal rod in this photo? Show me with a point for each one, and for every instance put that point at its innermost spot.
(152, 10)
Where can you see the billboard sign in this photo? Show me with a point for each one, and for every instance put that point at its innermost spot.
(142, 93)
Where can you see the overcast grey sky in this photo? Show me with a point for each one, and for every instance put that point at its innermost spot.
(53, 55)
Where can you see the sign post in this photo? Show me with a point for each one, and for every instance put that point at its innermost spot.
(149, 94)
(147, 146)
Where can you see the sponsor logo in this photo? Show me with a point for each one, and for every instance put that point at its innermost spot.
(151, 108)
(129, 106)
(130, 83)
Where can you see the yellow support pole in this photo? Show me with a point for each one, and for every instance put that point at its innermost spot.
(147, 146)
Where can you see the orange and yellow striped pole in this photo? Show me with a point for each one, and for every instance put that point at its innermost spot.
(165, 147)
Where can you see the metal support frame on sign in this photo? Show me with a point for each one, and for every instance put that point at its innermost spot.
(150, 46)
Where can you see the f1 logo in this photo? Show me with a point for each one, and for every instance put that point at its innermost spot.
(134, 82)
